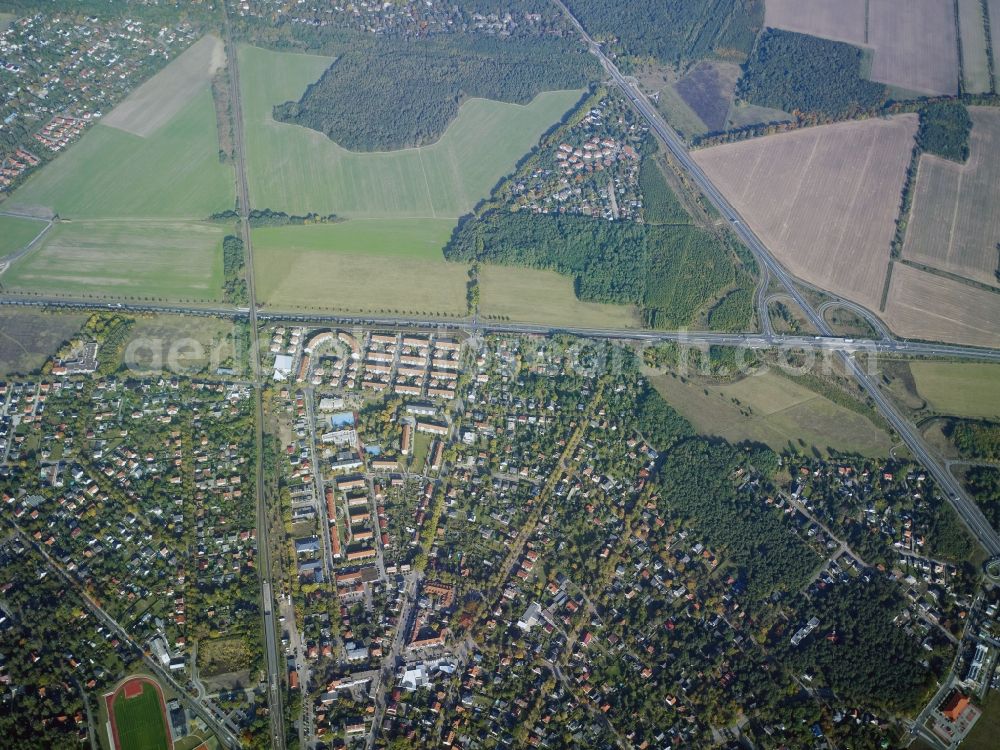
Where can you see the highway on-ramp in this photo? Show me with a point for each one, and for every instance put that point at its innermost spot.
(963, 504)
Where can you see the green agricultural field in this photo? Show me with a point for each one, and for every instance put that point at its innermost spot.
(961, 389)
(174, 173)
(124, 260)
(16, 232)
(771, 409)
(140, 722)
(392, 266)
(298, 170)
(533, 296)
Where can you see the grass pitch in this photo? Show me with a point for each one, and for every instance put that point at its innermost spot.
(139, 721)
(140, 260)
(16, 232)
(390, 267)
(298, 170)
(174, 173)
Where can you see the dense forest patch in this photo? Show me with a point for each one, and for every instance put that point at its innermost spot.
(673, 30)
(670, 271)
(944, 130)
(390, 93)
(797, 72)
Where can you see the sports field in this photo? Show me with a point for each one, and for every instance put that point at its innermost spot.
(139, 717)
(955, 222)
(299, 170)
(533, 296)
(961, 389)
(174, 173)
(363, 265)
(772, 409)
(128, 259)
(16, 232)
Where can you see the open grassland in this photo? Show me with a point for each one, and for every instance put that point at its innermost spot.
(533, 296)
(823, 199)
(120, 260)
(842, 20)
(975, 55)
(915, 44)
(955, 222)
(162, 97)
(28, 337)
(769, 408)
(984, 734)
(182, 344)
(174, 173)
(922, 305)
(16, 232)
(961, 389)
(708, 90)
(299, 170)
(370, 266)
(139, 721)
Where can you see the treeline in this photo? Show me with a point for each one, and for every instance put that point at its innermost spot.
(265, 217)
(857, 650)
(658, 422)
(390, 93)
(699, 483)
(233, 266)
(944, 130)
(673, 30)
(669, 271)
(975, 439)
(802, 73)
(734, 312)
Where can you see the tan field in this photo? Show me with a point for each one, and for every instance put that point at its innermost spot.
(955, 223)
(841, 20)
(925, 306)
(824, 200)
(975, 56)
(155, 102)
(915, 44)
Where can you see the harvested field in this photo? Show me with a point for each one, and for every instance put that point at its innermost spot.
(925, 306)
(961, 389)
(975, 56)
(138, 259)
(823, 199)
(915, 44)
(708, 91)
(955, 222)
(153, 104)
(840, 20)
(532, 296)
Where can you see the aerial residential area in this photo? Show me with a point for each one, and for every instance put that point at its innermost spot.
(499, 374)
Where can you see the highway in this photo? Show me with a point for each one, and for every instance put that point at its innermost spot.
(963, 504)
(273, 656)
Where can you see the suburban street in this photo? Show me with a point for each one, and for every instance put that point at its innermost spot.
(963, 504)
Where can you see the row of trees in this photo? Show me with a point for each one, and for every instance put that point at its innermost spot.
(422, 82)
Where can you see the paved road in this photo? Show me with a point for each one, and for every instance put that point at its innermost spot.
(965, 506)
(273, 655)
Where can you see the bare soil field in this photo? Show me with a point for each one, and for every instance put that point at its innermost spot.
(708, 90)
(975, 56)
(925, 306)
(840, 20)
(955, 222)
(155, 102)
(823, 199)
(915, 44)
